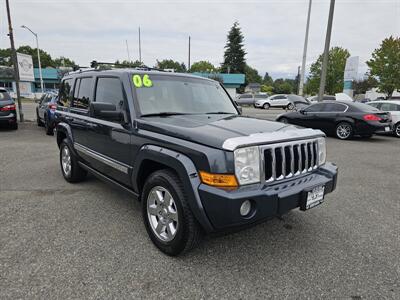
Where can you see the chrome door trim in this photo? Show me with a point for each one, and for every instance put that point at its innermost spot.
(104, 159)
(90, 119)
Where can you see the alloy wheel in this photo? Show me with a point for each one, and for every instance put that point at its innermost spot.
(343, 131)
(162, 213)
(397, 130)
(66, 161)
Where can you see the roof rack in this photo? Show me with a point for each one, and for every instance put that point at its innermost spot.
(100, 65)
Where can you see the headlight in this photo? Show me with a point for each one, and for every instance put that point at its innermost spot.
(247, 165)
(321, 151)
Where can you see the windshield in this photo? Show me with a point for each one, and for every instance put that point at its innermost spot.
(182, 95)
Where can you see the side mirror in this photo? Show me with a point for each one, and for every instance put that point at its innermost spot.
(239, 107)
(106, 111)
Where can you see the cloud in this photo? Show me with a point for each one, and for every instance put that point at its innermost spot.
(274, 30)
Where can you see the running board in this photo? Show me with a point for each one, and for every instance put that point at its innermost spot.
(109, 180)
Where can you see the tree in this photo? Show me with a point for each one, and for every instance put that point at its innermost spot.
(385, 65)
(5, 57)
(63, 62)
(251, 75)
(362, 86)
(266, 88)
(203, 67)
(128, 64)
(170, 64)
(267, 80)
(234, 56)
(45, 58)
(334, 78)
(283, 86)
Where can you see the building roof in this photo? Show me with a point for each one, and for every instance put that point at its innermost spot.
(235, 79)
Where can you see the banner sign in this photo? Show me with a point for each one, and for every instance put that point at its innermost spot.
(25, 67)
(351, 69)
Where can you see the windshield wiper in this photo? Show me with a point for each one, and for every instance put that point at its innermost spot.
(164, 114)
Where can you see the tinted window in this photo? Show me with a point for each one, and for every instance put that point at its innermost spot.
(329, 98)
(279, 97)
(333, 107)
(82, 99)
(315, 107)
(65, 92)
(376, 105)
(110, 90)
(362, 107)
(245, 96)
(261, 96)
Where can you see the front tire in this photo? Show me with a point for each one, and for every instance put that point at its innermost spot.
(284, 120)
(396, 130)
(70, 168)
(266, 106)
(344, 131)
(166, 214)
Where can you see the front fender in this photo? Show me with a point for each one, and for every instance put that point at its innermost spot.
(186, 171)
(63, 129)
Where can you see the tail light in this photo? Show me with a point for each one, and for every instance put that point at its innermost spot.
(8, 107)
(52, 106)
(371, 117)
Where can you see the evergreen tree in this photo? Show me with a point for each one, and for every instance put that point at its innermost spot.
(234, 60)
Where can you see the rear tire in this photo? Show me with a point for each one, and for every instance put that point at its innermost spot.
(396, 130)
(38, 121)
(14, 126)
(266, 106)
(284, 120)
(70, 168)
(290, 106)
(344, 131)
(170, 225)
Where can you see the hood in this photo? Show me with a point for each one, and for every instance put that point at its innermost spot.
(210, 130)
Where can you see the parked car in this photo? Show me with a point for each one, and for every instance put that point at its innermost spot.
(340, 118)
(177, 143)
(8, 110)
(45, 112)
(393, 107)
(249, 99)
(298, 101)
(279, 100)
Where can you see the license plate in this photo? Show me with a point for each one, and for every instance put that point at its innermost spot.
(387, 128)
(315, 196)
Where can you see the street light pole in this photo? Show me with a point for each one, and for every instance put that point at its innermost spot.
(38, 54)
(303, 64)
(326, 52)
(15, 63)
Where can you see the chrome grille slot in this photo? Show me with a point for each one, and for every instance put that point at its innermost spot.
(285, 160)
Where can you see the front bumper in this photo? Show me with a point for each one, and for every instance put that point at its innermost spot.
(268, 200)
(256, 104)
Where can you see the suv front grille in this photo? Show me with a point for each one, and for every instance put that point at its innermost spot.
(285, 160)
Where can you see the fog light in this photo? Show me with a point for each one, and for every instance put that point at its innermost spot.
(245, 208)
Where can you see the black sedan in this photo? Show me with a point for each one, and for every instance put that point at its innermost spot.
(8, 111)
(340, 118)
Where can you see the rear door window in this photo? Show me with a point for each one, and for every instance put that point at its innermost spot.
(334, 107)
(315, 107)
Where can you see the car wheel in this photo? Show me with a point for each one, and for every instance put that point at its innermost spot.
(344, 131)
(47, 127)
(290, 106)
(70, 168)
(166, 214)
(266, 106)
(284, 120)
(397, 130)
(14, 126)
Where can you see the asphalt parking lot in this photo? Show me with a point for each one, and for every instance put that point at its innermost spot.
(87, 240)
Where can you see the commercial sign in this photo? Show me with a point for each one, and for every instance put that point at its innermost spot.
(25, 67)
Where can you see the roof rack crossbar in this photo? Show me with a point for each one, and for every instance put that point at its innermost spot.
(96, 64)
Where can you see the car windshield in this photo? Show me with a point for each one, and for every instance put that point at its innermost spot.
(168, 95)
(4, 96)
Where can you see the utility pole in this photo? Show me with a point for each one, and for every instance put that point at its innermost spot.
(298, 80)
(15, 62)
(140, 49)
(127, 50)
(38, 54)
(189, 56)
(326, 52)
(303, 64)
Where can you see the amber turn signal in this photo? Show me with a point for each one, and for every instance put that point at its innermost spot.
(218, 180)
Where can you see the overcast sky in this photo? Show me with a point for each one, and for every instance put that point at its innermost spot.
(85, 30)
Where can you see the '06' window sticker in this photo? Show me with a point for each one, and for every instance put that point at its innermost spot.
(144, 81)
